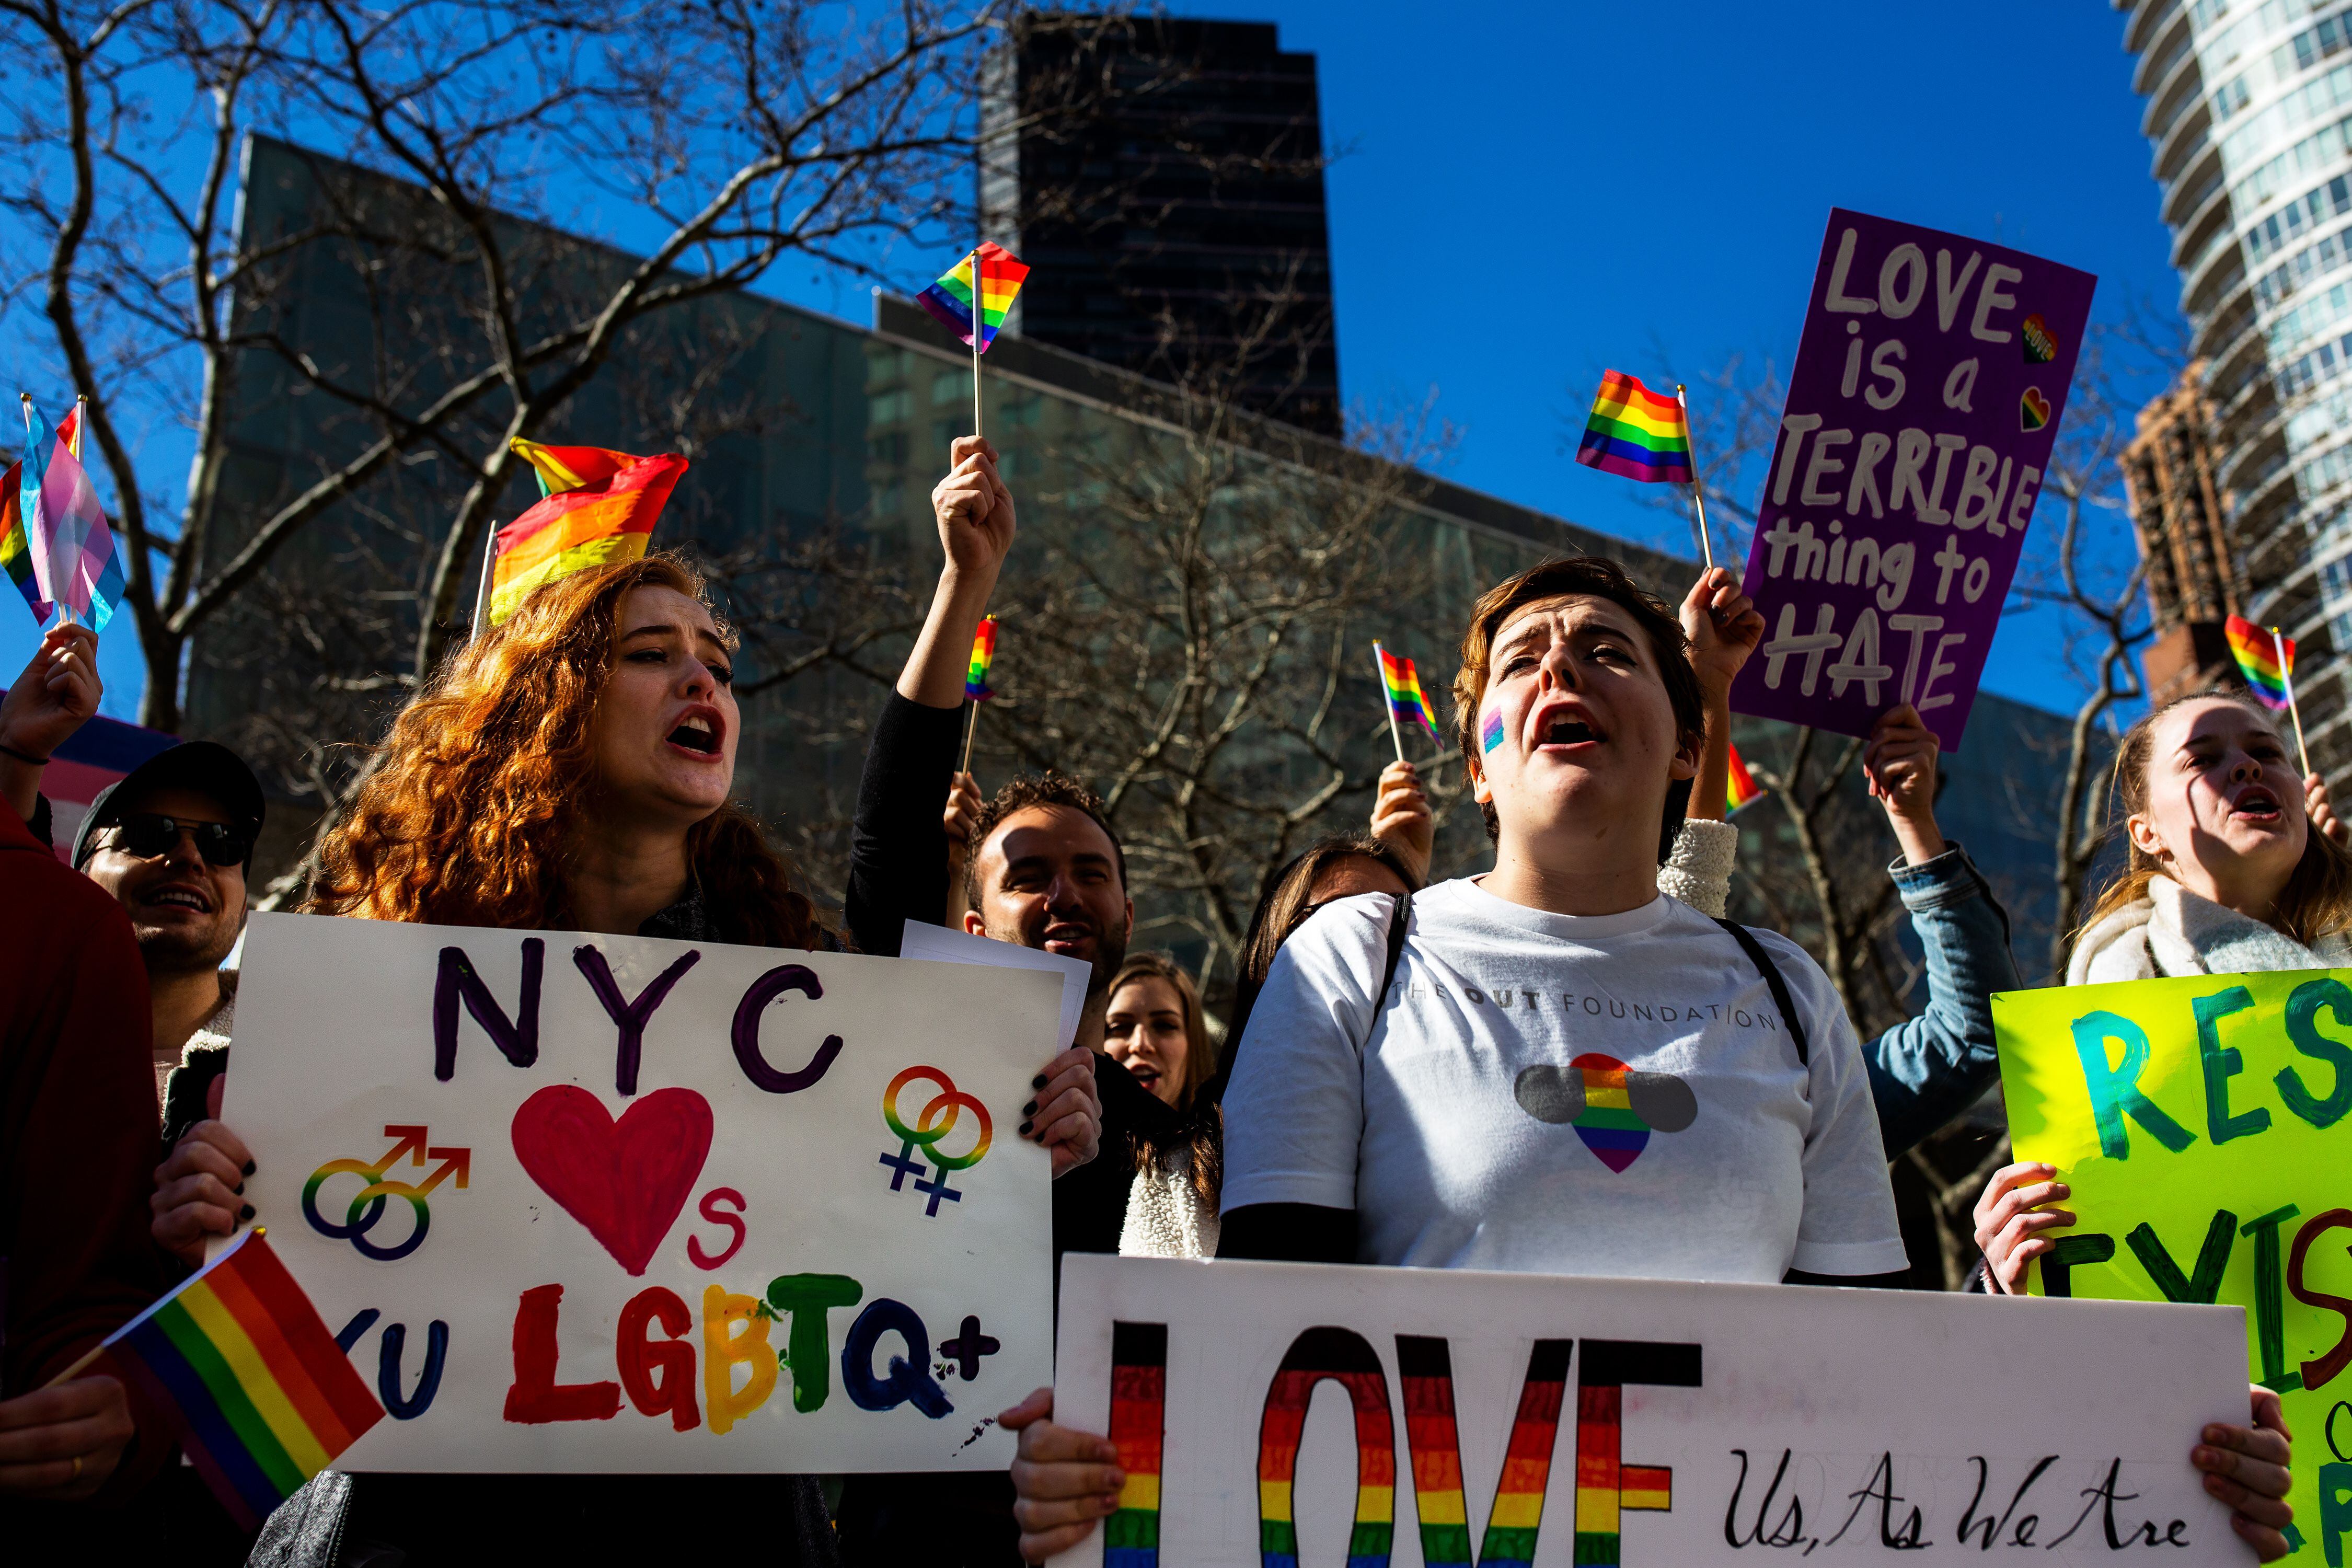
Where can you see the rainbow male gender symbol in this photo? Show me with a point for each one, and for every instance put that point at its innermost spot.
(949, 1103)
(1612, 1107)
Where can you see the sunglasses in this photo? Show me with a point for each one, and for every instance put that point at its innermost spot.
(147, 835)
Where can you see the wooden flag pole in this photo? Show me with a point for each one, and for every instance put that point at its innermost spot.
(1380, 667)
(970, 727)
(979, 324)
(2286, 675)
(1698, 489)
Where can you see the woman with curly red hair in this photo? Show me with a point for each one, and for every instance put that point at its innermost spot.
(570, 770)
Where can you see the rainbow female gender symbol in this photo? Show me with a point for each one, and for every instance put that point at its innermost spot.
(937, 1119)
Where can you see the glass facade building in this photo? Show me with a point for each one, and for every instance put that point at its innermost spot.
(2248, 112)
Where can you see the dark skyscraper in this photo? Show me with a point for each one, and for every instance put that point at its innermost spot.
(1175, 224)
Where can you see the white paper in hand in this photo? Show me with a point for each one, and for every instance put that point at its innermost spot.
(939, 945)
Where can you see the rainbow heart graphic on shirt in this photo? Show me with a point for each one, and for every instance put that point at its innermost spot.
(2032, 410)
(1612, 1107)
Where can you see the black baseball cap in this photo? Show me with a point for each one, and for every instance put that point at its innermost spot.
(205, 767)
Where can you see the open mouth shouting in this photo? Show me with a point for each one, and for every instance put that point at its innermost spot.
(699, 732)
(1565, 726)
(2256, 804)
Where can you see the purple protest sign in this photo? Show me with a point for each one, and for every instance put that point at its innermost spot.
(1924, 399)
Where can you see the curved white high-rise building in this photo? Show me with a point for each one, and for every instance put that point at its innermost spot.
(2248, 112)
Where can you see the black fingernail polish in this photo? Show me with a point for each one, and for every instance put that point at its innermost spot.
(1024, 1130)
(1030, 1109)
(1037, 1082)
(248, 1167)
(244, 1213)
(238, 1188)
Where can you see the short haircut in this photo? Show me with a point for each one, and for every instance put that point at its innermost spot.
(1052, 787)
(1601, 578)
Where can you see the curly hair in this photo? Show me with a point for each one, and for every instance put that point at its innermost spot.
(1052, 787)
(469, 816)
(1601, 578)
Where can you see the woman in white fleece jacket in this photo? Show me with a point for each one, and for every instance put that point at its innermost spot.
(2234, 865)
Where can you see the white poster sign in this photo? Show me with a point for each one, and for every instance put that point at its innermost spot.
(611, 1204)
(1286, 1414)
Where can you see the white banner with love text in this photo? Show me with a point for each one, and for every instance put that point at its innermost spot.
(612, 1204)
(1283, 1415)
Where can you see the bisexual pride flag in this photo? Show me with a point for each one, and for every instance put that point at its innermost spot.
(1636, 434)
(951, 298)
(2267, 663)
(268, 1399)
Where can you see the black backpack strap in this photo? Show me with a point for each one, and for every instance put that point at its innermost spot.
(1780, 987)
(1397, 920)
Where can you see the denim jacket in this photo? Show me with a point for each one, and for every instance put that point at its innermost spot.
(1928, 1069)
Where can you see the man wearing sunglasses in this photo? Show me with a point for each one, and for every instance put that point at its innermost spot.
(170, 842)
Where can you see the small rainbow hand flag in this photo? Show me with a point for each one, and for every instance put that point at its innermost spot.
(268, 1397)
(983, 654)
(2258, 661)
(1405, 701)
(597, 506)
(1743, 789)
(1636, 433)
(950, 298)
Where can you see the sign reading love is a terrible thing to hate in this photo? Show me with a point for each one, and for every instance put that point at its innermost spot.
(1922, 408)
(1293, 1414)
(613, 1204)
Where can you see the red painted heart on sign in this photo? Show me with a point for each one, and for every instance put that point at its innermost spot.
(624, 1180)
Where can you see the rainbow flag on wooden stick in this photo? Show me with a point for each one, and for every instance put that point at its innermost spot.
(983, 654)
(268, 1397)
(2267, 665)
(1635, 434)
(950, 299)
(1406, 704)
(599, 506)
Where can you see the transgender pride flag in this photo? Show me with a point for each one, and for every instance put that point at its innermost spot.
(74, 560)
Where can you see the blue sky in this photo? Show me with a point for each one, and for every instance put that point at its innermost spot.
(1527, 194)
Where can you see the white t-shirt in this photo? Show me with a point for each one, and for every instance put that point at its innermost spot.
(1611, 1095)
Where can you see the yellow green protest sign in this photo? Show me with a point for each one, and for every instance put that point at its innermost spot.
(2202, 1125)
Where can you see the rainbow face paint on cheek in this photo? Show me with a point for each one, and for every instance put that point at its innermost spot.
(1490, 729)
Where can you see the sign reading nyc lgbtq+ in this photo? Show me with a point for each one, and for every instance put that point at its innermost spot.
(369, 1204)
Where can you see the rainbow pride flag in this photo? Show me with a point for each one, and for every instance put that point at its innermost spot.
(607, 515)
(1743, 788)
(1000, 276)
(983, 654)
(1635, 433)
(15, 549)
(2258, 656)
(1403, 686)
(268, 1399)
(1138, 1396)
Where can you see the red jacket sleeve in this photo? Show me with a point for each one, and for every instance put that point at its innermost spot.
(79, 1129)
